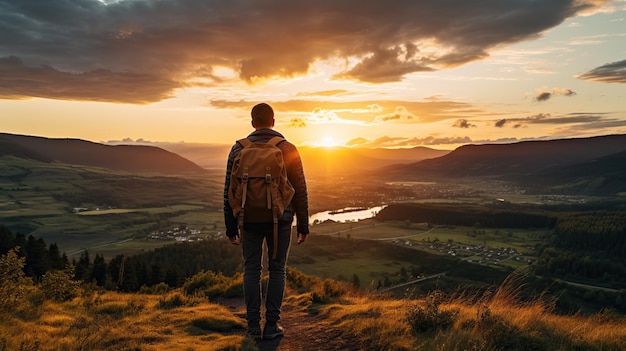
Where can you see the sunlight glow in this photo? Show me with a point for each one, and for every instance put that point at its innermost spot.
(328, 142)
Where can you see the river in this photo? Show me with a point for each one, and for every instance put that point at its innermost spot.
(348, 214)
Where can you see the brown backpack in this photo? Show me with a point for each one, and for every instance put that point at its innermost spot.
(259, 190)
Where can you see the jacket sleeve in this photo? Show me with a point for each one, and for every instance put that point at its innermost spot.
(229, 218)
(295, 173)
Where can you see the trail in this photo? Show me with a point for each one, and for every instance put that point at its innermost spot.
(304, 331)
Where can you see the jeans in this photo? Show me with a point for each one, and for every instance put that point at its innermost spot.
(252, 243)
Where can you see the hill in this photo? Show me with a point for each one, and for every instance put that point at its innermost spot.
(602, 176)
(128, 158)
(317, 315)
(540, 164)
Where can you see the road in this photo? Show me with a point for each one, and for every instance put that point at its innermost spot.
(412, 282)
(72, 253)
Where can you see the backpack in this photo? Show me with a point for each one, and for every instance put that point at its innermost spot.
(259, 190)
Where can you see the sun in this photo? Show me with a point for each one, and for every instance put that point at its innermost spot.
(328, 142)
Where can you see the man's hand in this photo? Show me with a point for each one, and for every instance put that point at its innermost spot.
(301, 238)
(235, 240)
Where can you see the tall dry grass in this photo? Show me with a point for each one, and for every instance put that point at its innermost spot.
(499, 320)
(116, 321)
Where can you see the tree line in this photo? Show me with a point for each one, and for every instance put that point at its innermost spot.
(468, 215)
(170, 264)
(589, 246)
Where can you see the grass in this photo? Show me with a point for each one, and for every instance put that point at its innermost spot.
(115, 321)
(492, 321)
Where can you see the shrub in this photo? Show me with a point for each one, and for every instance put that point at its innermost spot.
(13, 282)
(176, 299)
(328, 291)
(213, 284)
(430, 318)
(158, 289)
(59, 286)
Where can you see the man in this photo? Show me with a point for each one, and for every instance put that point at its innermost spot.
(254, 234)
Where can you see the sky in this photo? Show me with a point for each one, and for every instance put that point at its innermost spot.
(359, 73)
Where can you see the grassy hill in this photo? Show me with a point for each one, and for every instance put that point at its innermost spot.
(317, 314)
(134, 159)
(581, 166)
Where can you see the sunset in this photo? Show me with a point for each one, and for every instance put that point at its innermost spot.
(354, 73)
(354, 175)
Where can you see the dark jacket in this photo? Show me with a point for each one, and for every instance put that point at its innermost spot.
(295, 173)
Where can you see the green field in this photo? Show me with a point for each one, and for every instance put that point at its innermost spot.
(83, 207)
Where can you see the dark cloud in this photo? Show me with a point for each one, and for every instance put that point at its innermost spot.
(614, 72)
(146, 48)
(572, 121)
(463, 123)
(19, 81)
(546, 95)
(543, 96)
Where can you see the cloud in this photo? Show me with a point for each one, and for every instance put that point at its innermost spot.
(297, 122)
(18, 81)
(575, 122)
(463, 123)
(144, 50)
(400, 115)
(366, 111)
(545, 95)
(395, 142)
(357, 141)
(325, 93)
(614, 72)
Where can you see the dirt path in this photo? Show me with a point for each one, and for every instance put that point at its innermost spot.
(303, 331)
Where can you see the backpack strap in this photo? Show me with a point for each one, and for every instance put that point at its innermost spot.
(276, 140)
(244, 142)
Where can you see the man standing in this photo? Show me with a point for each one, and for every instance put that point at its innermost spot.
(254, 233)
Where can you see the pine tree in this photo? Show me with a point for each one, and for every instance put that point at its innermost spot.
(99, 270)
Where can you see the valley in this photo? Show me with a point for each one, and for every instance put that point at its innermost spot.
(466, 231)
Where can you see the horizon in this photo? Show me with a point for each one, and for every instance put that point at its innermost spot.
(354, 75)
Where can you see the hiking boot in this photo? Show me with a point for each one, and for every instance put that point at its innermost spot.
(272, 330)
(254, 333)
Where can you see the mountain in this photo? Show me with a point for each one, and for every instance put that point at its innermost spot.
(603, 176)
(553, 162)
(134, 159)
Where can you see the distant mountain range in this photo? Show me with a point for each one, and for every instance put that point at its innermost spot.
(318, 161)
(579, 165)
(594, 165)
(134, 159)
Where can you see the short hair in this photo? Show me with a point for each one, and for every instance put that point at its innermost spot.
(262, 115)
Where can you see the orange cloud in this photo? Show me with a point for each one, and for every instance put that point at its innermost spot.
(148, 49)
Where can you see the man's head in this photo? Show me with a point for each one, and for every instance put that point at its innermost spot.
(262, 116)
